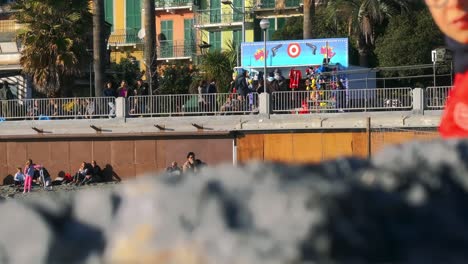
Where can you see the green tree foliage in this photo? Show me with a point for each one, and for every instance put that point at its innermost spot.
(54, 41)
(232, 52)
(292, 29)
(217, 65)
(127, 70)
(363, 18)
(408, 40)
(176, 79)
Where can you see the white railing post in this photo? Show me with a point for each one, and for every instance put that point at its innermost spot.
(264, 104)
(120, 107)
(418, 100)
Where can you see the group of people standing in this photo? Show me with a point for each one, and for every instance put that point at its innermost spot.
(124, 90)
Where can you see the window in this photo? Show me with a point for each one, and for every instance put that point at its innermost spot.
(271, 29)
(133, 19)
(237, 16)
(215, 11)
(109, 12)
(188, 37)
(165, 38)
(237, 37)
(215, 40)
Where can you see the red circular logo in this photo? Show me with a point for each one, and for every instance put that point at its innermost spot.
(294, 50)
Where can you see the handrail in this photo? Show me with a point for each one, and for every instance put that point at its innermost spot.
(282, 102)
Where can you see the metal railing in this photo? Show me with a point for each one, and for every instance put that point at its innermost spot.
(216, 16)
(173, 3)
(192, 104)
(437, 96)
(124, 36)
(287, 102)
(175, 49)
(271, 3)
(317, 101)
(58, 108)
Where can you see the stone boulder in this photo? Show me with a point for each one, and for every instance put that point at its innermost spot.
(408, 204)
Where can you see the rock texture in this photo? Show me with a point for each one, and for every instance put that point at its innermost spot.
(409, 204)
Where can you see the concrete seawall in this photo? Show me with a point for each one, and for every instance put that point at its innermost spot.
(190, 125)
(133, 146)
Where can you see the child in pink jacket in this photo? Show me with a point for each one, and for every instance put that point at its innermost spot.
(28, 175)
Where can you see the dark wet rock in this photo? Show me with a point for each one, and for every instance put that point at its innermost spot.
(408, 204)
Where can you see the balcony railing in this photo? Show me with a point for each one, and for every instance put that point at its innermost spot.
(173, 3)
(175, 49)
(124, 37)
(271, 3)
(208, 17)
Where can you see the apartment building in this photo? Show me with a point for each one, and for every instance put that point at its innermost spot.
(174, 28)
(221, 22)
(10, 68)
(187, 28)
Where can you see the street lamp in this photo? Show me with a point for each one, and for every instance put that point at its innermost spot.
(264, 25)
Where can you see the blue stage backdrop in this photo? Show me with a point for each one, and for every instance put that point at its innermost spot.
(291, 53)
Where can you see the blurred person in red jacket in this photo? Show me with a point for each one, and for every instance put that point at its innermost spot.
(451, 16)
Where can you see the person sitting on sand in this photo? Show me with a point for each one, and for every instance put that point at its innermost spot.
(174, 169)
(63, 178)
(44, 176)
(93, 174)
(80, 174)
(190, 165)
(19, 177)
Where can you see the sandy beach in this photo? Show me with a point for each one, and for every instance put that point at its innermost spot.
(15, 192)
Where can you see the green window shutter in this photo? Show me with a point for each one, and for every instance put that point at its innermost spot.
(238, 5)
(109, 12)
(133, 19)
(271, 29)
(166, 43)
(188, 37)
(292, 3)
(237, 37)
(281, 22)
(268, 3)
(215, 40)
(215, 11)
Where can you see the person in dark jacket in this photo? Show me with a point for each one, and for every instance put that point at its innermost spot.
(241, 85)
(451, 16)
(110, 92)
(93, 174)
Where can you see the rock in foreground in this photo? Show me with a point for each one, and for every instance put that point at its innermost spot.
(406, 205)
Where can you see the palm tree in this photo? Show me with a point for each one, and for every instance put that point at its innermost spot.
(99, 49)
(362, 17)
(150, 44)
(54, 41)
(309, 15)
(218, 65)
